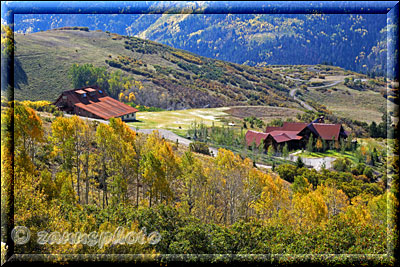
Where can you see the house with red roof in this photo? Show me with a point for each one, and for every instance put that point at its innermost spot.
(295, 134)
(93, 102)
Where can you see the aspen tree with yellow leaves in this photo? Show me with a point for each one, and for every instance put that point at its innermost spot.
(121, 96)
(132, 97)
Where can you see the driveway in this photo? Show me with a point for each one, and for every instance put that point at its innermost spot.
(316, 163)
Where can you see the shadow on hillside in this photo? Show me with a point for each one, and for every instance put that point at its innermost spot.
(19, 75)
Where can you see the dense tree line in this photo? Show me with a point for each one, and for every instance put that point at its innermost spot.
(114, 82)
(384, 129)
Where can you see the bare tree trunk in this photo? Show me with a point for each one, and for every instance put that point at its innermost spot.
(103, 198)
(99, 196)
(72, 179)
(137, 190)
(78, 177)
(144, 191)
(106, 195)
(150, 197)
(87, 178)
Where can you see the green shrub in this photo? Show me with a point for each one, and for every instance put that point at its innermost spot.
(287, 172)
(199, 147)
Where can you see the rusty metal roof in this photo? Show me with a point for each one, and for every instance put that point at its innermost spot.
(98, 104)
(107, 107)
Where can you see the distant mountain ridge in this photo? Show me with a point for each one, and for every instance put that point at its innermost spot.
(352, 41)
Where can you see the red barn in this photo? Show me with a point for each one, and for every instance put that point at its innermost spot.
(93, 102)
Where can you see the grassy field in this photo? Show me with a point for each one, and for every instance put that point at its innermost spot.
(344, 102)
(179, 121)
(328, 153)
(267, 114)
(369, 143)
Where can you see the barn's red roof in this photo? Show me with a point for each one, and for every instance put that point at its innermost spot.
(281, 138)
(294, 131)
(107, 108)
(97, 103)
(288, 126)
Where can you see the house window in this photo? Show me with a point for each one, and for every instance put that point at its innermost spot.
(84, 95)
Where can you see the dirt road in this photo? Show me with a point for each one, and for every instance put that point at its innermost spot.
(305, 105)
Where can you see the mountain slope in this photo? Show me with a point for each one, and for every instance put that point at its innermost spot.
(346, 40)
(172, 79)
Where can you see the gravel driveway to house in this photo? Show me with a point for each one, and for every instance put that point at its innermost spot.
(316, 163)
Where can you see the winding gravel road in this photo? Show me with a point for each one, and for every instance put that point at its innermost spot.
(292, 93)
(304, 104)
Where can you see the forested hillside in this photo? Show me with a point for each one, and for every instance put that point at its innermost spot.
(351, 41)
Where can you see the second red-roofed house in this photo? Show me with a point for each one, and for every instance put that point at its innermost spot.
(295, 134)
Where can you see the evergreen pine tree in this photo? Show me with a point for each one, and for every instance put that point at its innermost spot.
(299, 163)
(310, 144)
(271, 151)
(285, 151)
